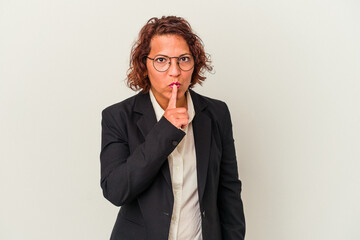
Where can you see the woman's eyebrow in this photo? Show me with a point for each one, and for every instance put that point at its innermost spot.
(158, 55)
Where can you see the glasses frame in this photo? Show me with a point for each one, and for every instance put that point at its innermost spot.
(178, 59)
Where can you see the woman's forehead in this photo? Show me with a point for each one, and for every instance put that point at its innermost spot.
(170, 45)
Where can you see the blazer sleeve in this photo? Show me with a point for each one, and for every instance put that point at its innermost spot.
(229, 201)
(125, 174)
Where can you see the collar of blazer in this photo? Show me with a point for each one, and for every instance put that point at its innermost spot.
(201, 128)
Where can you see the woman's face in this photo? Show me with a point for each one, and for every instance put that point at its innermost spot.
(171, 46)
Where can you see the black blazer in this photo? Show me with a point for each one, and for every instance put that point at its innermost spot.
(135, 172)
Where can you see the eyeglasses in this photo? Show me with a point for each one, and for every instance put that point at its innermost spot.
(162, 63)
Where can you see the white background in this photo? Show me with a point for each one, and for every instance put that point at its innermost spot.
(288, 69)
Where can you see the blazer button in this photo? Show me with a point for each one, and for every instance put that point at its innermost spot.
(175, 143)
(203, 213)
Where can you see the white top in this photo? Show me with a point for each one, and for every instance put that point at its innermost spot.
(186, 217)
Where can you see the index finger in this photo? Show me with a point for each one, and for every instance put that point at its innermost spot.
(172, 101)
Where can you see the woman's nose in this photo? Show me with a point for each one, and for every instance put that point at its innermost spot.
(174, 69)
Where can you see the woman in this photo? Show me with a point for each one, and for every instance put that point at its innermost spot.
(168, 156)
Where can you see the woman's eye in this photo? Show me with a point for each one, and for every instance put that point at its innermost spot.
(185, 59)
(160, 60)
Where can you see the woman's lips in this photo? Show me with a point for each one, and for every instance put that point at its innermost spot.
(175, 83)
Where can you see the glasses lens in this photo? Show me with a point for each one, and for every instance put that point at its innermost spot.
(161, 63)
(186, 62)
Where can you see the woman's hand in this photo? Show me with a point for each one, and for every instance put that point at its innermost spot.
(177, 116)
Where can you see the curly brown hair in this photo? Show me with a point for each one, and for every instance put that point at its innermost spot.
(137, 78)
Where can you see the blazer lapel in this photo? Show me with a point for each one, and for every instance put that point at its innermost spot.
(202, 137)
(144, 107)
(146, 122)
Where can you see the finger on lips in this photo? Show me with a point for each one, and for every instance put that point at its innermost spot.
(177, 116)
(172, 101)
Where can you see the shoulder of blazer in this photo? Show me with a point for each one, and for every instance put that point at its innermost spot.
(216, 108)
(140, 103)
